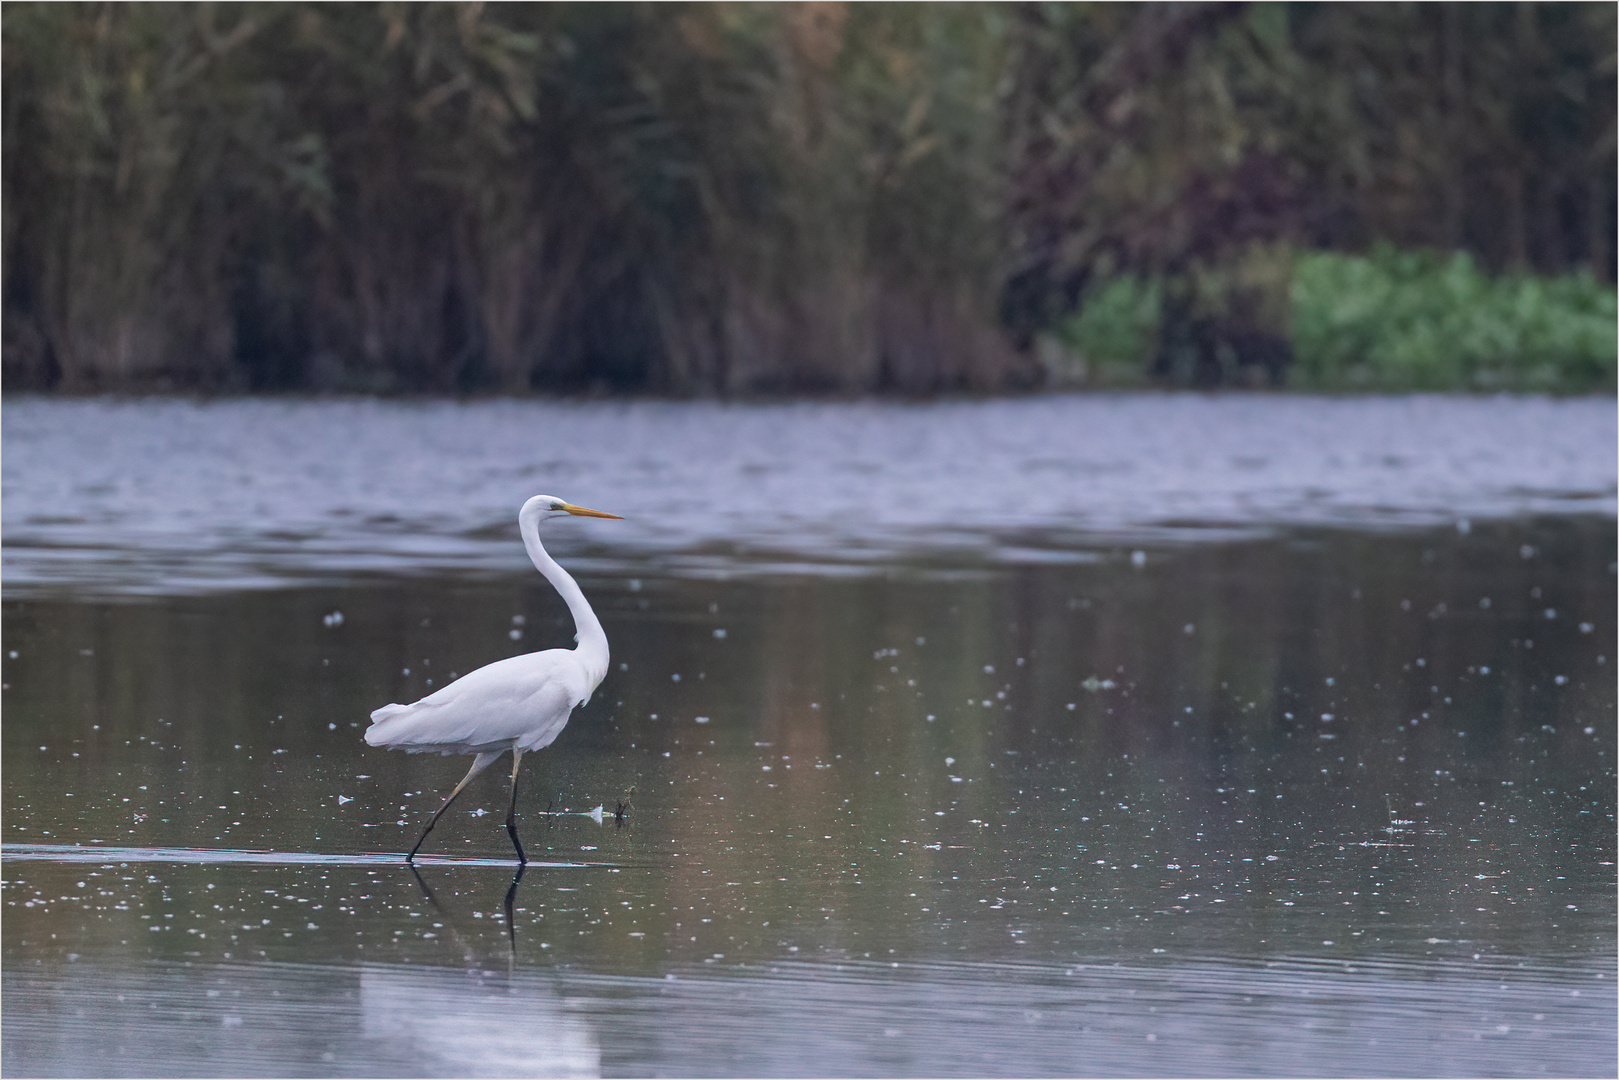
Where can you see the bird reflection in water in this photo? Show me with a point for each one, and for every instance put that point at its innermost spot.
(449, 923)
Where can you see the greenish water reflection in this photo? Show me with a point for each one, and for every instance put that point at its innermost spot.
(1379, 767)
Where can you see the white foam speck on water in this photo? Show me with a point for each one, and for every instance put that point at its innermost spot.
(166, 496)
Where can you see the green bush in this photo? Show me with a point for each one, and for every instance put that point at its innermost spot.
(1414, 320)
(1110, 341)
(1388, 321)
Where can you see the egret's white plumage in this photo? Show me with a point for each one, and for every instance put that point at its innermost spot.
(517, 704)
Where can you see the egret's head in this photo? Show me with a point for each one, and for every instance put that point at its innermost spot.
(547, 506)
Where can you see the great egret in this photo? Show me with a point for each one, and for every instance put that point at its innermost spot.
(517, 704)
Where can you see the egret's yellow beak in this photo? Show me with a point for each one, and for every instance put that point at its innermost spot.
(582, 511)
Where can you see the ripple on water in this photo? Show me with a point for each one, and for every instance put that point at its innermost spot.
(172, 496)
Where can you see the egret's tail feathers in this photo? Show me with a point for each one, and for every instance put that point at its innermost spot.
(423, 728)
(375, 734)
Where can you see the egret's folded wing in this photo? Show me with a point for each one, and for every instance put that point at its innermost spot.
(522, 701)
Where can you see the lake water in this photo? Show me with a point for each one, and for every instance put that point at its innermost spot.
(1137, 735)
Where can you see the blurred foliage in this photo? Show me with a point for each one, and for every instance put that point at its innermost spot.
(735, 198)
(1198, 146)
(1420, 321)
(1105, 343)
(1388, 321)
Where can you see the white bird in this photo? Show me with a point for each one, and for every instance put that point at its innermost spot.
(517, 704)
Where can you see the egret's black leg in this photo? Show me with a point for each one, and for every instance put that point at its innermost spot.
(511, 811)
(479, 764)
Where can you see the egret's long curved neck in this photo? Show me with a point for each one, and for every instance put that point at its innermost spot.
(592, 647)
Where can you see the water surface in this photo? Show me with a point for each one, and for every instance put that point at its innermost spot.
(160, 497)
(1248, 793)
